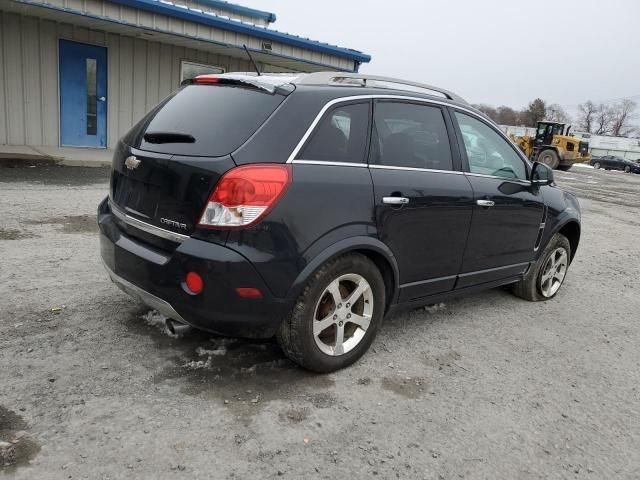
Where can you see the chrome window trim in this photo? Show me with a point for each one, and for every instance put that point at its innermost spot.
(516, 180)
(413, 169)
(427, 101)
(324, 162)
(146, 227)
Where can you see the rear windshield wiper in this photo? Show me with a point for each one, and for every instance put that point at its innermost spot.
(168, 137)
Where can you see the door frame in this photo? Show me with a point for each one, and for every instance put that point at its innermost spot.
(59, 90)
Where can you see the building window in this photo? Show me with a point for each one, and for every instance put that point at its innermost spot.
(190, 69)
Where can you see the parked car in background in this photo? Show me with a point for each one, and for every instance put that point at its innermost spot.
(310, 206)
(613, 162)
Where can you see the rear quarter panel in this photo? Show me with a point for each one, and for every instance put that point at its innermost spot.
(322, 206)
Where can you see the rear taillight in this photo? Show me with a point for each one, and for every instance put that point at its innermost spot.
(244, 195)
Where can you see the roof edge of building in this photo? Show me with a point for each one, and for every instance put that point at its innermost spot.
(240, 9)
(169, 9)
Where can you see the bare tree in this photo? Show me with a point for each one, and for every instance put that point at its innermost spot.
(488, 110)
(555, 113)
(603, 120)
(586, 116)
(506, 116)
(621, 116)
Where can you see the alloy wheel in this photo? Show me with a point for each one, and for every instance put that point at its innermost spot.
(554, 272)
(343, 314)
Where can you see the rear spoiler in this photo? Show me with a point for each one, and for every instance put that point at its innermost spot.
(281, 84)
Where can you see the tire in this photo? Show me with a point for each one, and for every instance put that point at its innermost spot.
(549, 158)
(627, 169)
(596, 165)
(532, 286)
(565, 168)
(313, 351)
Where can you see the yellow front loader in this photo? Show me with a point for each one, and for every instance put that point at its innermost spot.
(554, 146)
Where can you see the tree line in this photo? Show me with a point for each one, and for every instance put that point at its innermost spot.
(598, 118)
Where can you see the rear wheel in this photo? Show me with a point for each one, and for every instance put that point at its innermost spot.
(336, 317)
(627, 169)
(549, 158)
(546, 276)
(596, 165)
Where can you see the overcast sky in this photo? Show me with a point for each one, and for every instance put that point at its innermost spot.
(487, 51)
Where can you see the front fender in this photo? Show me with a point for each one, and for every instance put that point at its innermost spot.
(351, 244)
(563, 208)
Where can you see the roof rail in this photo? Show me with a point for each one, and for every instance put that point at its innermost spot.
(363, 80)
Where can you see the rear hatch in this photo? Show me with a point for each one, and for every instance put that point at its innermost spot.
(165, 168)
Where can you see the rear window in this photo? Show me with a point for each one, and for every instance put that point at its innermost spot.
(204, 120)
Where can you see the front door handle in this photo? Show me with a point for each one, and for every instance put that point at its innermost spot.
(395, 200)
(485, 203)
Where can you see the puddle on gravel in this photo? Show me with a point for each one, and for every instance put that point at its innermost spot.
(70, 224)
(408, 387)
(16, 448)
(244, 375)
(13, 234)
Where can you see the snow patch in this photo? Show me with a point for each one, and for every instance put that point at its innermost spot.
(582, 165)
(198, 364)
(155, 319)
(218, 351)
(435, 307)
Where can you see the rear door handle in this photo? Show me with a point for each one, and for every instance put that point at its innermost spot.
(485, 203)
(395, 200)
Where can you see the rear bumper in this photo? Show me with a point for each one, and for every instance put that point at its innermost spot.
(155, 277)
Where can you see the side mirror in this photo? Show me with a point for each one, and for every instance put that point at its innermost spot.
(541, 174)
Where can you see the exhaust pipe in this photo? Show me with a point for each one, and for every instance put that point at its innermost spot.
(177, 328)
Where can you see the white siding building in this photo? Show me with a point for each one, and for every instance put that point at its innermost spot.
(80, 73)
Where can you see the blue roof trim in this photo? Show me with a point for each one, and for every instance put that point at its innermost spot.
(239, 9)
(213, 42)
(184, 13)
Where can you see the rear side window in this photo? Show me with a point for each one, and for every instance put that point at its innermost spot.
(410, 135)
(204, 120)
(341, 135)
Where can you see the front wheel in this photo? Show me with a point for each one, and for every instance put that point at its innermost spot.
(596, 165)
(336, 317)
(549, 158)
(545, 277)
(627, 169)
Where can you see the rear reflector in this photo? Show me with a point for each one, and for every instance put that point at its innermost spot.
(244, 195)
(249, 292)
(194, 282)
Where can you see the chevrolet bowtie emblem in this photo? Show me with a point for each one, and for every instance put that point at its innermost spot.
(132, 162)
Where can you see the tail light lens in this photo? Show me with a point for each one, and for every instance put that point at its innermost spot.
(244, 195)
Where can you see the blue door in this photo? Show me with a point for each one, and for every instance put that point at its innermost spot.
(83, 95)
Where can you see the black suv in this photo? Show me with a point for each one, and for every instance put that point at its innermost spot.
(311, 206)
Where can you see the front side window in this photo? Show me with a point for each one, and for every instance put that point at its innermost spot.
(489, 153)
(341, 136)
(410, 135)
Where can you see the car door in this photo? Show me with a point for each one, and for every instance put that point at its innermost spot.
(423, 202)
(508, 214)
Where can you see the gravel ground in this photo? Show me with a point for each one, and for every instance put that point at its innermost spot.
(487, 386)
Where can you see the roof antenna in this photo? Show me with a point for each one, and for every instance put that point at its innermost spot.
(255, 65)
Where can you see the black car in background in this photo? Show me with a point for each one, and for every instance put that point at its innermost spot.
(308, 207)
(613, 162)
